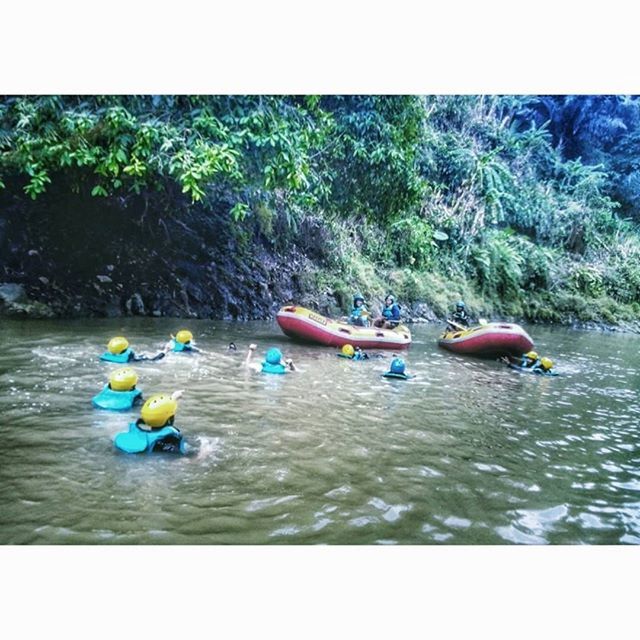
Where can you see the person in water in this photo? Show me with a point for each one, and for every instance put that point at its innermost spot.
(460, 315)
(390, 318)
(397, 370)
(352, 353)
(359, 314)
(546, 367)
(531, 362)
(525, 361)
(272, 363)
(182, 342)
(155, 429)
(118, 351)
(120, 393)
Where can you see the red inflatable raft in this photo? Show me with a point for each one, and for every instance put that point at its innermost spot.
(492, 339)
(298, 322)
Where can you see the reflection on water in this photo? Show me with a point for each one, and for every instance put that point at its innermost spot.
(468, 452)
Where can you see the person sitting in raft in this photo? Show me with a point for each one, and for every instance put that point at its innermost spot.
(397, 370)
(460, 316)
(272, 361)
(352, 353)
(390, 318)
(154, 430)
(118, 351)
(359, 314)
(182, 342)
(120, 393)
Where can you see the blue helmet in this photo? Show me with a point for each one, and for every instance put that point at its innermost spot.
(273, 356)
(460, 304)
(357, 297)
(397, 365)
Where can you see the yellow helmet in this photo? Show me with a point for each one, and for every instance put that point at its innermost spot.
(546, 363)
(532, 355)
(158, 410)
(118, 345)
(184, 336)
(348, 350)
(123, 379)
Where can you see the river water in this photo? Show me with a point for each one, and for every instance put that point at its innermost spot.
(468, 452)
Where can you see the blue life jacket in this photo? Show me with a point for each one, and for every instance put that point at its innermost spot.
(400, 376)
(533, 369)
(267, 367)
(358, 355)
(120, 358)
(392, 312)
(542, 372)
(356, 312)
(137, 440)
(525, 363)
(179, 346)
(116, 400)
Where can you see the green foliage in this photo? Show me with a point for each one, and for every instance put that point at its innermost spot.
(495, 184)
(498, 265)
(372, 159)
(412, 238)
(239, 211)
(587, 280)
(129, 144)
(531, 229)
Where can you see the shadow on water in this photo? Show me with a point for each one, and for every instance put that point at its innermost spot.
(468, 452)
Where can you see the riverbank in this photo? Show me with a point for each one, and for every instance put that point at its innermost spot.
(210, 273)
(229, 207)
(198, 266)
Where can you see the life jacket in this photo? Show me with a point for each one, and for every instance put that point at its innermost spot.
(461, 317)
(267, 367)
(120, 358)
(392, 312)
(533, 369)
(179, 346)
(358, 355)
(116, 400)
(137, 440)
(542, 372)
(401, 376)
(356, 312)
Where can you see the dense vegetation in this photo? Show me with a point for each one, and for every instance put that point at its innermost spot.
(524, 206)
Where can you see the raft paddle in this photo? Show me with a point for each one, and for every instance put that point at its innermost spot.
(457, 326)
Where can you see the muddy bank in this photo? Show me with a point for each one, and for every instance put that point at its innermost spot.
(79, 258)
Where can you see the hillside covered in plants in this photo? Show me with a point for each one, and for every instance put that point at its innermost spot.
(229, 206)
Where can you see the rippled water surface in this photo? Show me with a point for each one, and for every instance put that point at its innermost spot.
(469, 452)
